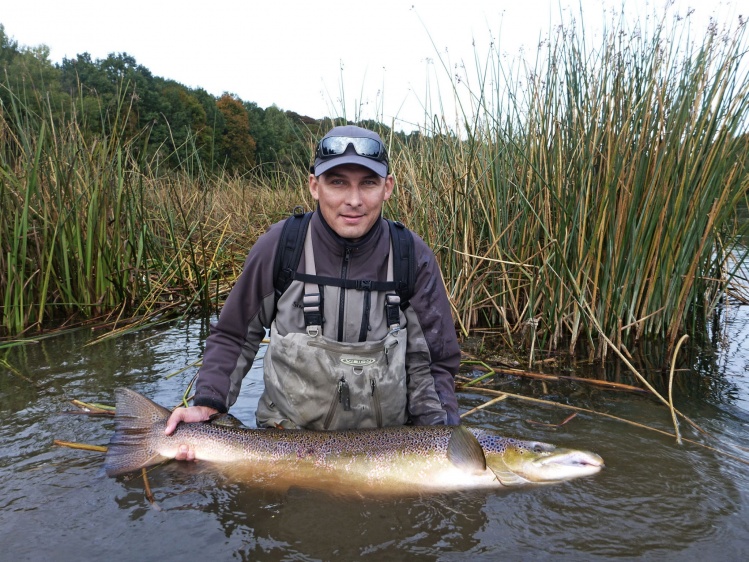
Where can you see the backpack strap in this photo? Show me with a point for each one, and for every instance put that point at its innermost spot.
(403, 278)
(289, 249)
(404, 261)
(404, 268)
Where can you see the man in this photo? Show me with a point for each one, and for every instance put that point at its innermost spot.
(346, 363)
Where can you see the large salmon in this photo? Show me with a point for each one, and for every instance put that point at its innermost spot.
(391, 460)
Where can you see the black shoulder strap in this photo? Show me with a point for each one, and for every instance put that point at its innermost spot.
(289, 250)
(404, 261)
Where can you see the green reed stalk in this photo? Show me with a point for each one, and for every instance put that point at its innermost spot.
(79, 232)
(595, 191)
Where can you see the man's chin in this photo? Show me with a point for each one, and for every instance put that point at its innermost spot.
(345, 229)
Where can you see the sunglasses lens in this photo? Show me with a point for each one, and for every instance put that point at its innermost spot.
(367, 147)
(335, 146)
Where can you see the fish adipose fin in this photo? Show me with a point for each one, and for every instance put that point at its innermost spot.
(465, 452)
(136, 420)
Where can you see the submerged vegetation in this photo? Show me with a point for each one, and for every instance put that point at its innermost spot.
(590, 201)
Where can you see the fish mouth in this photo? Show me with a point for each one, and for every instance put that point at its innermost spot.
(549, 466)
(583, 459)
(563, 465)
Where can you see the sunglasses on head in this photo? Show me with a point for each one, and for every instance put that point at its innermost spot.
(330, 147)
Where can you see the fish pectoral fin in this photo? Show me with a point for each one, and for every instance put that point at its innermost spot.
(465, 452)
(506, 476)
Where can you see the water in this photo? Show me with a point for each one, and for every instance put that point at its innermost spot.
(655, 499)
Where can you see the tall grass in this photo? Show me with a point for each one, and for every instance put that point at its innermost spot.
(92, 232)
(69, 221)
(592, 195)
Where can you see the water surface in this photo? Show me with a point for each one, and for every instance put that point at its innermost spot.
(654, 500)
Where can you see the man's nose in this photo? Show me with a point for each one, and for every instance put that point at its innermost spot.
(354, 197)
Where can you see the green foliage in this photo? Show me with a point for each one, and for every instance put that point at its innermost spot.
(174, 124)
(587, 202)
(283, 143)
(72, 239)
(90, 231)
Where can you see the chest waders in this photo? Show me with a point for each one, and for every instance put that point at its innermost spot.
(315, 382)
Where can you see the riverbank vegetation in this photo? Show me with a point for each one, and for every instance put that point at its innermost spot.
(587, 203)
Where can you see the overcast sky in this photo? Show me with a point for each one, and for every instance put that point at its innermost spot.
(301, 55)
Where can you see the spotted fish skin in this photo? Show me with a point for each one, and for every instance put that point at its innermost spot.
(385, 461)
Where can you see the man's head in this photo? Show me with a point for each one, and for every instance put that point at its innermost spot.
(350, 180)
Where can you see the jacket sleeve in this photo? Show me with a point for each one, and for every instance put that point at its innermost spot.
(236, 336)
(433, 354)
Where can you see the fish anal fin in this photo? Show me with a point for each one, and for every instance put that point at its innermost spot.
(121, 462)
(465, 452)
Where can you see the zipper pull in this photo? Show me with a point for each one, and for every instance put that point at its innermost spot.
(373, 384)
(344, 395)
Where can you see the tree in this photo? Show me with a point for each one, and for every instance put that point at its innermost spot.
(30, 82)
(283, 141)
(8, 48)
(186, 119)
(236, 145)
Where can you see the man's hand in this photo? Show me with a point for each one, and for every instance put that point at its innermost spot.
(190, 414)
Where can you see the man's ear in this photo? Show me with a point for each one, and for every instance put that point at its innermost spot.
(313, 187)
(389, 185)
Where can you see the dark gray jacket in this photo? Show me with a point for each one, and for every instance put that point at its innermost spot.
(251, 307)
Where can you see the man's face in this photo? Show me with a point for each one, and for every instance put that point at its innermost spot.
(351, 198)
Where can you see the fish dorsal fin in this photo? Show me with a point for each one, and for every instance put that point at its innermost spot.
(465, 452)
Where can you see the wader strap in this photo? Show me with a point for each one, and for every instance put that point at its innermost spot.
(312, 293)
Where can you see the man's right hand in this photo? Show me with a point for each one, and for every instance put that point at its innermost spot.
(189, 415)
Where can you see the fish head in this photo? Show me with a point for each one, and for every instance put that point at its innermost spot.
(520, 462)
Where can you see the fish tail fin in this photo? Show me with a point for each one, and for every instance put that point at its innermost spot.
(136, 430)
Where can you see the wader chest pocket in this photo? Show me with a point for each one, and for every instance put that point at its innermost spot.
(320, 383)
(362, 374)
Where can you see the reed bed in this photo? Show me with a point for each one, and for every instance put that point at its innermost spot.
(92, 233)
(593, 198)
(584, 203)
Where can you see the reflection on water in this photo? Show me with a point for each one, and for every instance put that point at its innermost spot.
(655, 499)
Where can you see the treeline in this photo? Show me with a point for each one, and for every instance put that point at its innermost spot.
(170, 124)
